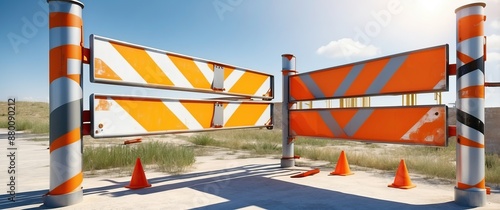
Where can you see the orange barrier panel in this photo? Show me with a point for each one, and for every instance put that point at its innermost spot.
(424, 70)
(425, 125)
(117, 62)
(114, 116)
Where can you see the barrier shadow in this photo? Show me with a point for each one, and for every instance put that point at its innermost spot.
(244, 186)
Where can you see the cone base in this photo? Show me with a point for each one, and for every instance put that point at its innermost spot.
(341, 174)
(402, 187)
(137, 187)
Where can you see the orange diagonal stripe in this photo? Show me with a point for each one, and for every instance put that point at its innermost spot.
(472, 92)
(227, 71)
(248, 83)
(102, 70)
(463, 186)
(468, 142)
(329, 81)
(58, 67)
(464, 58)
(304, 123)
(246, 114)
(366, 77)
(62, 19)
(201, 111)
(66, 139)
(151, 114)
(190, 71)
(68, 186)
(298, 90)
(421, 71)
(391, 122)
(143, 64)
(470, 26)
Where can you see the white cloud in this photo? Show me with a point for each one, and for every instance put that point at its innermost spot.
(493, 57)
(495, 24)
(346, 48)
(493, 42)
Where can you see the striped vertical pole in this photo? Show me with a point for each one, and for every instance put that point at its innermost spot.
(65, 67)
(470, 186)
(288, 68)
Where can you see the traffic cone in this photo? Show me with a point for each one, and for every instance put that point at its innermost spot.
(307, 173)
(402, 179)
(138, 180)
(342, 168)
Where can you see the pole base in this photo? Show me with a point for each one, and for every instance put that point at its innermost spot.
(470, 197)
(53, 201)
(287, 163)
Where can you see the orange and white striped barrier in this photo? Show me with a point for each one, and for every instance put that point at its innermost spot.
(114, 116)
(118, 62)
(65, 92)
(425, 125)
(396, 74)
(471, 46)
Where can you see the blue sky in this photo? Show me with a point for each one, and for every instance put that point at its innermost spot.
(246, 33)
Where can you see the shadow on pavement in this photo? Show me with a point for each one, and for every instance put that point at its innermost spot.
(243, 186)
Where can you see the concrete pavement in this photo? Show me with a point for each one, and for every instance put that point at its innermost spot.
(223, 181)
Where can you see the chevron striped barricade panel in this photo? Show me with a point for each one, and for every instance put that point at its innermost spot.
(424, 125)
(118, 116)
(118, 62)
(419, 71)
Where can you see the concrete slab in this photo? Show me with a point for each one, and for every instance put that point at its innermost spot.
(225, 182)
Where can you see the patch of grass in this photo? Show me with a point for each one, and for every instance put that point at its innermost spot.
(32, 117)
(166, 157)
(492, 168)
(204, 140)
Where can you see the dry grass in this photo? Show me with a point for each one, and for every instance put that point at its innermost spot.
(32, 117)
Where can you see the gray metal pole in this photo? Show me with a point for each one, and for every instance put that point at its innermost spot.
(65, 68)
(470, 184)
(288, 68)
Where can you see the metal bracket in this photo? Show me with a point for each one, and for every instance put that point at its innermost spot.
(218, 119)
(218, 83)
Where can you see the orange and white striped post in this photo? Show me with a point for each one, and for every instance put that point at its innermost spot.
(288, 68)
(65, 67)
(470, 189)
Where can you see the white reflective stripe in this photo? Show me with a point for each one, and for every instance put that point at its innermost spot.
(472, 47)
(473, 173)
(266, 85)
(107, 53)
(466, 80)
(66, 90)
(60, 36)
(115, 121)
(169, 68)
(471, 108)
(229, 110)
(427, 118)
(476, 10)
(183, 114)
(264, 117)
(65, 163)
(74, 66)
(470, 133)
(205, 70)
(66, 7)
(232, 79)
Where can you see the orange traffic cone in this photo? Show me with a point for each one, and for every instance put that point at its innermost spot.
(342, 167)
(307, 173)
(138, 180)
(402, 179)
